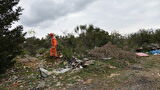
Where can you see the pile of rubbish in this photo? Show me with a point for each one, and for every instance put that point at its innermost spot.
(152, 46)
(73, 64)
(153, 49)
(155, 52)
(152, 52)
(113, 51)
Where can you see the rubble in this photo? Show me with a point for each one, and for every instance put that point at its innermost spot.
(89, 62)
(109, 50)
(74, 65)
(58, 84)
(88, 81)
(113, 75)
(112, 67)
(41, 84)
(109, 58)
(44, 73)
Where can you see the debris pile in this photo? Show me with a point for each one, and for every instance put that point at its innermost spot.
(155, 52)
(44, 73)
(113, 51)
(152, 46)
(74, 64)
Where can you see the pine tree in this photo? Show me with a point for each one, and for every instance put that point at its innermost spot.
(10, 39)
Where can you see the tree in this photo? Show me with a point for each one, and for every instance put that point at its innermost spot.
(117, 39)
(157, 36)
(93, 36)
(10, 39)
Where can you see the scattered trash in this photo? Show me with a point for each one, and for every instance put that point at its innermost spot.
(85, 59)
(41, 84)
(158, 74)
(152, 46)
(155, 52)
(142, 54)
(136, 67)
(113, 75)
(75, 63)
(112, 67)
(16, 84)
(87, 63)
(14, 77)
(58, 84)
(44, 73)
(139, 49)
(107, 58)
(61, 71)
(88, 81)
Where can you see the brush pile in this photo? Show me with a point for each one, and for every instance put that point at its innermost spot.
(113, 51)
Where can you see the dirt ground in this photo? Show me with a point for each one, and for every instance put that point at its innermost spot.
(142, 76)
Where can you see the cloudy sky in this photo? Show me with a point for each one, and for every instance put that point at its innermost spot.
(62, 16)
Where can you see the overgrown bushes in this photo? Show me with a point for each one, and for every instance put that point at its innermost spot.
(87, 37)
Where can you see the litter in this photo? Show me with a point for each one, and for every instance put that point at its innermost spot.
(44, 73)
(113, 75)
(112, 67)
(158, 74)
(142, 54)
(155, 52)
(74, 64)
(107, 58)
(87, 63)
(88, 81)
(62, 71)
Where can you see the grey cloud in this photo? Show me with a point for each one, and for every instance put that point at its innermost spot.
(120, 14)
(40, 11)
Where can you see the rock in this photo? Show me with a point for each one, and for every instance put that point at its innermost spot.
(69, 85)
(85, 59)
(158, 74)
(44, 73)
(112, 67)
(88, 81)
(136, 67)
(21, 86)
(89, 62)
(14, 78)
(53, 77)
(107, 58)
(58, 84)
(113, 75)
(41, 84)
